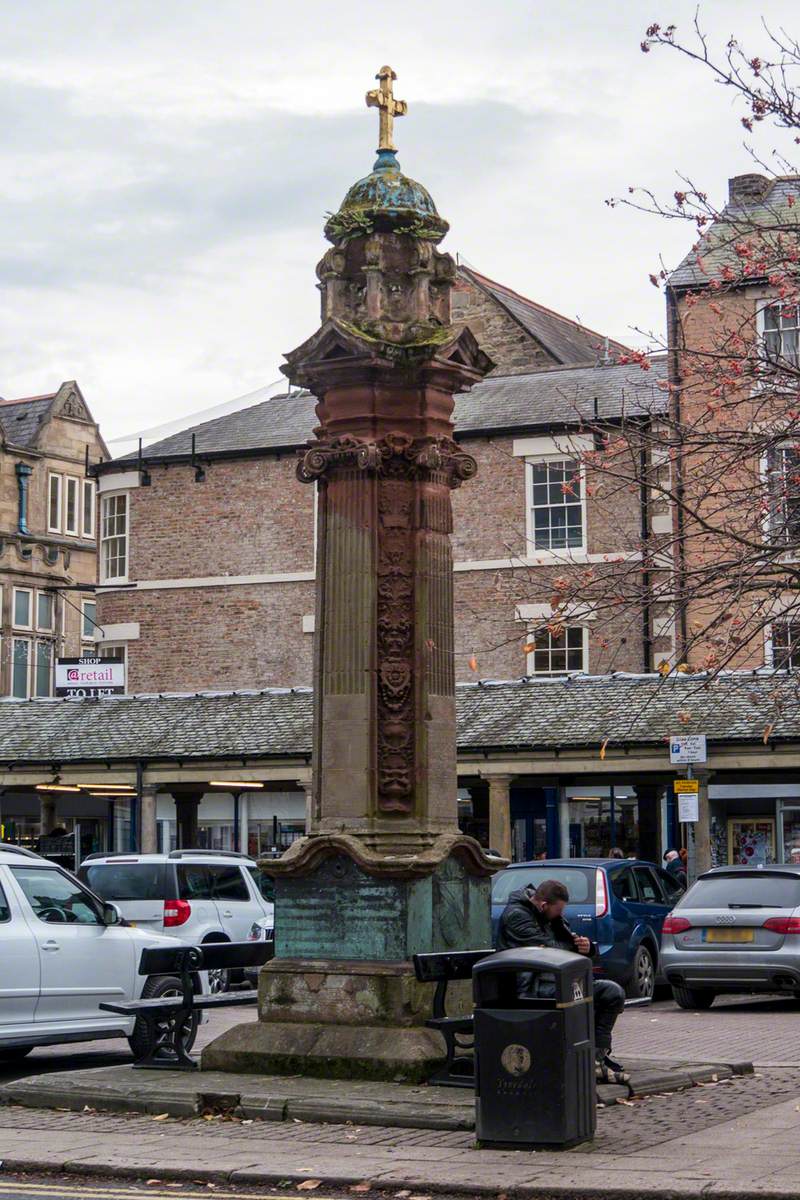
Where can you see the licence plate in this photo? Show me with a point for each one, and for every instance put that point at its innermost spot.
(728, 935)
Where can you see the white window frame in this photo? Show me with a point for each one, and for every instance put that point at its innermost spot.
(116, 648)
(106, 497)
(531, 661)
(530, 531)
(89, 488)
(93, 636)
(52, 477)
(72, 484)
(33, 669)
(51, 627)
(770, 655)
(761, 328)
(29, 643)
(30, 595)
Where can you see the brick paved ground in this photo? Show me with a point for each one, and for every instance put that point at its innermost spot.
(738, 1137)
(764, 1031)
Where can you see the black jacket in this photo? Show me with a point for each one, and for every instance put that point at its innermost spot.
(522, 924)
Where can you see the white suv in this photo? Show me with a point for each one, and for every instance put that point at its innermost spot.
(195, 895)
(63, 952)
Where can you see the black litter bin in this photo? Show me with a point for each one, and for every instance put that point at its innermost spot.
(534, 1049)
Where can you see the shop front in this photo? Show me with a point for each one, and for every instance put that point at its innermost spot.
(754, 824)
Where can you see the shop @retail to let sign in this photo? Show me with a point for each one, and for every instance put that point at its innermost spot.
(90, 678)
(687, 748)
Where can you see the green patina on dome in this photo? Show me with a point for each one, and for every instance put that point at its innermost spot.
(386, 199)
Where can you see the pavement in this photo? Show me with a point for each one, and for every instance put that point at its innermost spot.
(737, 1136)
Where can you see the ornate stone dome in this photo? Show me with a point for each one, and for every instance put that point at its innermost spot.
(386, 199)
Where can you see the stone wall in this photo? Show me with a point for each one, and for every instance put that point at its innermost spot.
(512, 348)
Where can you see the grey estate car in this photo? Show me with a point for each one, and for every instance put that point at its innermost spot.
(737, 929)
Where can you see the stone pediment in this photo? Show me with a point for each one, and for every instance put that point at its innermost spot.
(70, 403)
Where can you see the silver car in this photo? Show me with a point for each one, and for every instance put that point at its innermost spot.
(737, 929)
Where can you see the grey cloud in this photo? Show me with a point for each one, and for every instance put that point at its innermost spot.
(143, 196)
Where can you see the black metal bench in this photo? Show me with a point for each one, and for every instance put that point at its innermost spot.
(172, 1020)
(459, 1069)
(441, 969)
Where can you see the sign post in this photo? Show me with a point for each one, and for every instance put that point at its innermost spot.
(90, 678)
(686, 749)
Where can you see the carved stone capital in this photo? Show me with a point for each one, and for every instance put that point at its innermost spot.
(396, 455)
(306, 854)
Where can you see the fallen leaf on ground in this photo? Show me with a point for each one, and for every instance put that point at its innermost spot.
(361, 1187)
(153, 1182)
(307, 1185)
(161, 1117)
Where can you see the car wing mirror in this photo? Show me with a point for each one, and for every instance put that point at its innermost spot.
(111, 915)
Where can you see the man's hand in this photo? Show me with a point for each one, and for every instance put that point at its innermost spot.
(582, 944)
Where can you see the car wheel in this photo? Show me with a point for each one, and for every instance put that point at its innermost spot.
(642, 982)
(10, 1054)
(219, 980)
(693, 998)
(140, 1041)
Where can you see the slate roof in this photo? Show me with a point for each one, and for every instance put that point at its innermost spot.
(740, 221)
(22, 419)
(567, 341)
(539, 714)
(560, 396)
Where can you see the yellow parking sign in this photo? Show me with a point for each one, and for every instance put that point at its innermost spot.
(685, 786)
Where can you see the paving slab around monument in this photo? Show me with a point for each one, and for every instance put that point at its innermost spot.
(300, 1098)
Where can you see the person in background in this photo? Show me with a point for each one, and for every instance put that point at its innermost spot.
(615, 852)
(674, 865)
(535, 917)
(541, 856)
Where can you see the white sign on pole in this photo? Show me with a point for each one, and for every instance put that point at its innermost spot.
(687, 748)
(688, 806)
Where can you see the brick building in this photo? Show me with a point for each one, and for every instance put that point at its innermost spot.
(219, 542)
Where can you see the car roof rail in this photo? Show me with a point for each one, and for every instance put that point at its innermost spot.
(208, 853)
(97, 854)
(10, 848)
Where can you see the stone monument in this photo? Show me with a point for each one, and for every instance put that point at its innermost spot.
(384, 872)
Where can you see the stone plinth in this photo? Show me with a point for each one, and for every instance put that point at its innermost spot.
(340, 998)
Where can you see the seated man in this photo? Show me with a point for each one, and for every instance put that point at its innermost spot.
(535, 917)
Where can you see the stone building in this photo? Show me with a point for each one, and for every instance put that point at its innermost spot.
(48, 550)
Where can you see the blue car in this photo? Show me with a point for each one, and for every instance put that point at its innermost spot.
(618, 903)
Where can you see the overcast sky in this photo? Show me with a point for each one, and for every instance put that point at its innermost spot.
(166, 167)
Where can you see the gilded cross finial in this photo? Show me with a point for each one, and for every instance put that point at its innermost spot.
(382, 98)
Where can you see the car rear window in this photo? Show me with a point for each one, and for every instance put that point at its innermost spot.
(126, 881)
(577, 880)
(757, 890)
